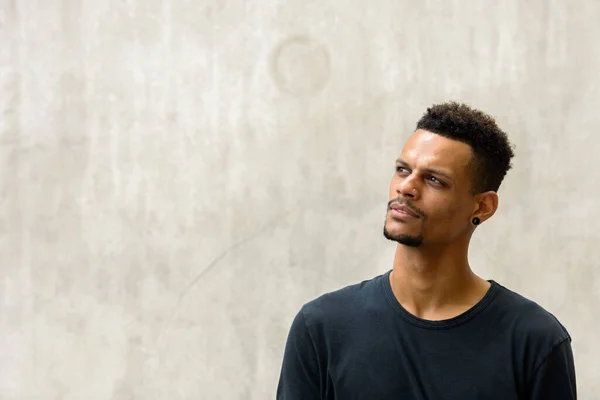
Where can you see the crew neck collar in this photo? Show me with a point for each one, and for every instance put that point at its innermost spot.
(442, 324)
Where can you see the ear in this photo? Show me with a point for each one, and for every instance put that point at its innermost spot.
(486, 204)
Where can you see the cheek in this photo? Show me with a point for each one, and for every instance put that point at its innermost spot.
(458, 214)
(447, 210)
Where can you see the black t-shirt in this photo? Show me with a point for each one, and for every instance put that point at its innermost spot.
(360, 343)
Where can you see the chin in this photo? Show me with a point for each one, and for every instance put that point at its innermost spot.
(404, 238)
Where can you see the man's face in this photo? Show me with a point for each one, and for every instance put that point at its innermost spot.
(433, 181)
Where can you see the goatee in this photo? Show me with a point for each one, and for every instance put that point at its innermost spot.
(405, 239)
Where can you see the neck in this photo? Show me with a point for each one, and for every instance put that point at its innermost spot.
(435, 283)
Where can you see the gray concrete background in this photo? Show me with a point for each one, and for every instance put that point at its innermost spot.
(178, 177)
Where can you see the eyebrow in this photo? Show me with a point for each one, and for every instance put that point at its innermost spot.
(429, 170)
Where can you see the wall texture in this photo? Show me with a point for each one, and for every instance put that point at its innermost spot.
(178, 177)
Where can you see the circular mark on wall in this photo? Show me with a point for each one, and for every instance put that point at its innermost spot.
(300, 66)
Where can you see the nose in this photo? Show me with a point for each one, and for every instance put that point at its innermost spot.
(407, 188)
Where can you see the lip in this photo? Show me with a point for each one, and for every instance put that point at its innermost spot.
(403, 211)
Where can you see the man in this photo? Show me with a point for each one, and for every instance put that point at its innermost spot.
(431, 328)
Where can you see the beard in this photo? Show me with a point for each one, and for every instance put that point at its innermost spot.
(403, 238)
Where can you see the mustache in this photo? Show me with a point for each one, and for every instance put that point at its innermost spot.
(401, 201)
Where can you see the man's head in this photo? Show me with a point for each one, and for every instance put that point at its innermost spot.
(448, 173)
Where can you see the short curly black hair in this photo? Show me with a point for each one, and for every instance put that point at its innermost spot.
(492, 151)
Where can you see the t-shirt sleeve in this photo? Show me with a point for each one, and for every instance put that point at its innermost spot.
(300, 376)
(554, 379)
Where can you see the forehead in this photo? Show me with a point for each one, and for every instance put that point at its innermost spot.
(425, 149)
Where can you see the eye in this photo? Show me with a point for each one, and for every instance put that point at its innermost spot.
(401, 169)
(435, 180)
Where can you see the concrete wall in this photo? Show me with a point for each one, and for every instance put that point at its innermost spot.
(178, 177)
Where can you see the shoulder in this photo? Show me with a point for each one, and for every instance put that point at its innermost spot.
(342, 305)
(535, 332)
(529, 319)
